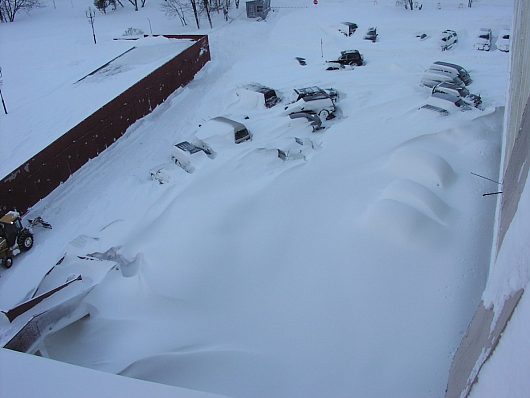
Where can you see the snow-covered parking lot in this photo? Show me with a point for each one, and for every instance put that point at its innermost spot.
(351, 271)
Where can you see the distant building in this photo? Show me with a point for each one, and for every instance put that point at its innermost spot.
(258, 8)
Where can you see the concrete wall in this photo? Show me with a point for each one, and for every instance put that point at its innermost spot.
(41, 174)
(489, 322)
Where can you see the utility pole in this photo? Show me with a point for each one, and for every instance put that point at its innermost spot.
(1, 96)
(150, 28)
(91, 15)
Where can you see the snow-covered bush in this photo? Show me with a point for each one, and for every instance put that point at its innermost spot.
(133, 32)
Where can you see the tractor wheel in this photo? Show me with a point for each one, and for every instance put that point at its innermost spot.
(25, 241)
(7, 262)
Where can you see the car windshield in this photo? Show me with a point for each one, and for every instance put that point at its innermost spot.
(506, 37)
(486, 36)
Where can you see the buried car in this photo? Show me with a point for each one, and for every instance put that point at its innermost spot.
(503, 41)
(458, 91)
(347, 58)
(448, 39)
(432, 78)
(312, 118)
(483, 41)
(447, 102)
(315, 100)
(371, 34)
(453, 70)
(221, 128)
(291, 148)
(183, 151)
(219, 132)
(264, 95)
(348, 28)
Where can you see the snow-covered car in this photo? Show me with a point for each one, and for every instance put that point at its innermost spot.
(503, 41)
(458, 91)
(313, 99)
(452, 69)
(448, 102)
(432, 78)
(255, 91)
(291, 148)
(184, 151)
(295, 148)
(371, 34)
(347, 28)
(448, 39)
(347, 58)
(483, 41)
(222, 129)
(312, 118)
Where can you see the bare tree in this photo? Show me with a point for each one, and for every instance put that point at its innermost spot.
(134, 3)
(176, 8)
(195, 12)
(9, 8)
(207, 9)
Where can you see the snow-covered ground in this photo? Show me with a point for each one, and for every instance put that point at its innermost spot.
(353, 272)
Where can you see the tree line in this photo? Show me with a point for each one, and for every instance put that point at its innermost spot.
(184, 10)
(10, 8)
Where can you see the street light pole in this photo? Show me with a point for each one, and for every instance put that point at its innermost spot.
(91, 15)
(150, 28)
(1, 96)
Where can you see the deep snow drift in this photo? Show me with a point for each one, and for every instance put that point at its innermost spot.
(353, 272)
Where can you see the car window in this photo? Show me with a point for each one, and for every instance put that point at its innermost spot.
(241, 134)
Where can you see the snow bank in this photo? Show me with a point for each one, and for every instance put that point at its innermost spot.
(418, 196)
(53, 378)
(421, 166)
(403, 223)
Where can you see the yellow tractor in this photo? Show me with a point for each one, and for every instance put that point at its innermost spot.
(14, 238)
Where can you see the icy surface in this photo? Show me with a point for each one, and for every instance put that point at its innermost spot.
(352, 273)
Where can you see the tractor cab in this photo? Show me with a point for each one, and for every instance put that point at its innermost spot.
(10, 227)
(14, 238)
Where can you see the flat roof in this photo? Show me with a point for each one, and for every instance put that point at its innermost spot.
(65, 102)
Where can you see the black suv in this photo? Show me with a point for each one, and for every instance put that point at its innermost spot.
(348, 57)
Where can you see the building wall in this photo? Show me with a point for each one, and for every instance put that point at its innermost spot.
(490, 320)
(41, 174)
(516, 138)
